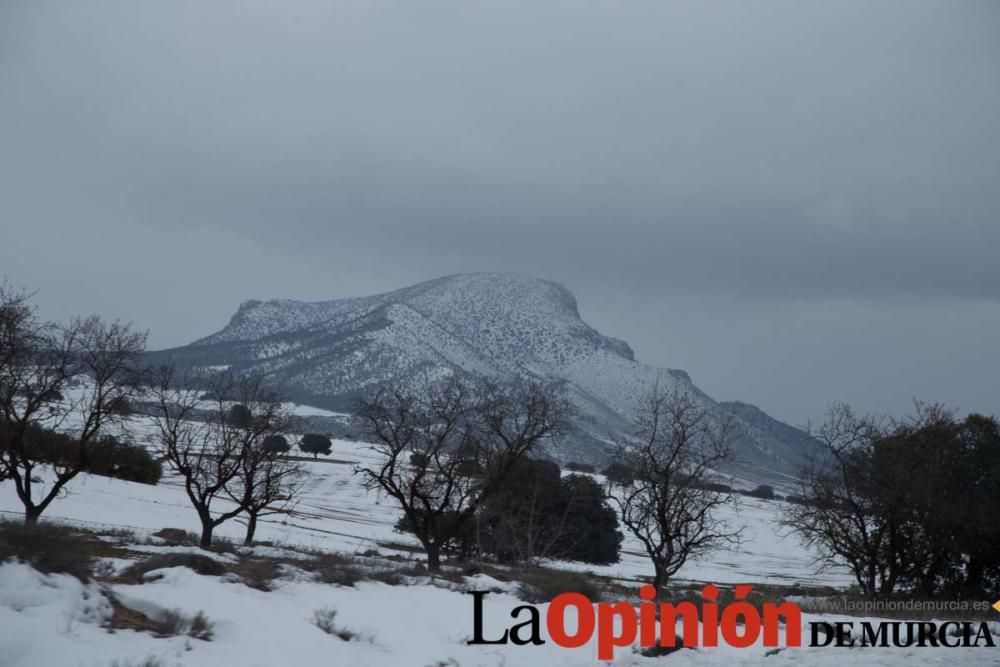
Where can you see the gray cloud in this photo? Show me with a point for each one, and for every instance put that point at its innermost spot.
(798, 202)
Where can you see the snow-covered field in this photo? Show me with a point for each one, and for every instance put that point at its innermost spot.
(55, 620)
(335, 513)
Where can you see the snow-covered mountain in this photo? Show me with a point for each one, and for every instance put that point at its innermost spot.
(502, 326)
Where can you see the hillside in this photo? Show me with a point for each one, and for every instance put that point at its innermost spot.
(500, 326)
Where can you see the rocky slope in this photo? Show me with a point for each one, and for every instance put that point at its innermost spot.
(499, 325)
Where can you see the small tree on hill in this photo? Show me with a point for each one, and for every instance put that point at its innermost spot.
(619, 473)
(276, 444)
(240, 416)
(762, 491)
(315, 444)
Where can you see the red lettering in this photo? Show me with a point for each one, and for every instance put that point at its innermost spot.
(555, 620)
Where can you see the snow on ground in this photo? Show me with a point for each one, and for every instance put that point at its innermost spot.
(310, 411)
(55, 620)
(336, 513)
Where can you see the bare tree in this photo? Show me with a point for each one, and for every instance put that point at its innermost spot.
(77, 379)
(201, 440)
(841, 512)
(669, 505)
(465, 442)
(509, 423)
(266, 483)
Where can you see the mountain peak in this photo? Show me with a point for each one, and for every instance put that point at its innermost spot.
(504, 326)
(491, 309)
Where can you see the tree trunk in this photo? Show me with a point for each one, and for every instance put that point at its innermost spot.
(251, 529)
(206, 534)
(31, 515)
(433, 556)
(659, 580)
(871, 589)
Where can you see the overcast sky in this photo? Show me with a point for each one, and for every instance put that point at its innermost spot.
(796, 202)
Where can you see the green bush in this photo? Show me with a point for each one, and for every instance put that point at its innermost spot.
(764, 492)
(106, 456)
(540, 513)
(315, 443)
(240, 416)
(122, 460)
(620, 474)
(277, 444)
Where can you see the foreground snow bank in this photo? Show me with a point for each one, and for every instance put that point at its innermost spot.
(43, 617)
(56, 620)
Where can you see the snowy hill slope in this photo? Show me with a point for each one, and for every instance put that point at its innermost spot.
(53, 619)
(334, 512)
(501, 326)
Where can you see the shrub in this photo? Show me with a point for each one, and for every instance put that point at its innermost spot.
(580, 467)
(389, 577)
(620, 474)
(470, 468)
(258, 573)
(48, 548)
(718, 487)
(48, 446)
(173, 623)
(660, 651)
(325, 619)
(764, 491)
(111, 458)
(539, 513)
(176, 536)
(201, 628)
(540, 585)
(198, 562)
(333, 569)
(240, 416)
(150, 661)
(106, 455)
(590, 534)
(277, 444)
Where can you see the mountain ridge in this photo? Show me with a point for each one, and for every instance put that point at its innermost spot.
(499, 325)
